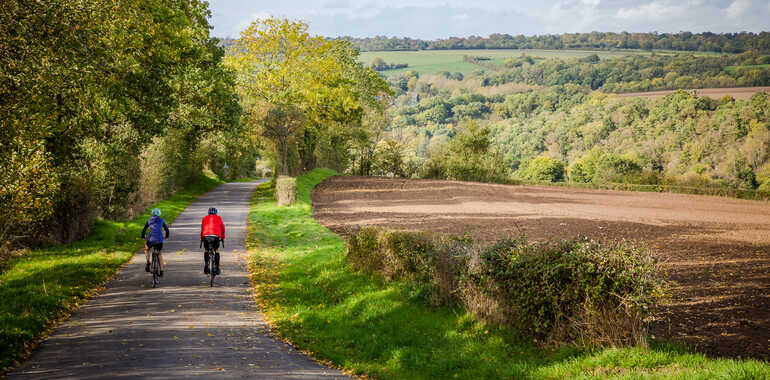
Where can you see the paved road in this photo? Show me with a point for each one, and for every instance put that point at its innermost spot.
(184, 328)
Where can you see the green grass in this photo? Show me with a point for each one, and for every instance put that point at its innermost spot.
(434, 61)
(387, 331)
(731, 68)
(42, 286)
(246, 179)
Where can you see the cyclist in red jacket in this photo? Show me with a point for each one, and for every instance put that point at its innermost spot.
(212, 232)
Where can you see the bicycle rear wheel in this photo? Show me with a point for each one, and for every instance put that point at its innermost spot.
(211, 270)
(155, 270)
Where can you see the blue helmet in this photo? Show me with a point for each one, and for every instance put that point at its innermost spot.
(212, 210)
(156, 212)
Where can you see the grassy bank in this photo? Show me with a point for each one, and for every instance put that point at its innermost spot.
(41, 287)
(316, 301)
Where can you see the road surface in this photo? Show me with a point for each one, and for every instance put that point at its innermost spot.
(183, 328)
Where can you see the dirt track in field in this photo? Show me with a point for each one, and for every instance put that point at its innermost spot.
(743, 93)
(716, 250)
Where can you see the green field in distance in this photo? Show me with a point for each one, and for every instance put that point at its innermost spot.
(434, 61)
(731, 68)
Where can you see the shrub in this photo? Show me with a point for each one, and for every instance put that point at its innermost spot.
(286, 191)
(584, 169)
(601, 167)
(430, 260)
(615, 168)
(468, 157)
(390, 156)
(28, 185)
(578, 172)
(544, 169)
(577, 291)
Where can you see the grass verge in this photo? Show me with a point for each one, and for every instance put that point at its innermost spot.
(42, 286)
(351, 320)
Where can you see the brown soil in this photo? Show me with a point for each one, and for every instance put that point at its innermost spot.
(743, 93)
(716, 250)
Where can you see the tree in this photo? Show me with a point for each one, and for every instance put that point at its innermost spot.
(86, 84)
(392, 158)
(367, 137)
(280, 66)
(281, 123)
(378, 63)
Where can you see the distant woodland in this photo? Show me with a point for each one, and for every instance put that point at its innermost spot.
(684, 41)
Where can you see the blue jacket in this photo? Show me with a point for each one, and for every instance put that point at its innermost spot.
(155, 223)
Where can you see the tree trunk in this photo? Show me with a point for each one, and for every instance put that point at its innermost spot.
(284, 152)
(309, 143)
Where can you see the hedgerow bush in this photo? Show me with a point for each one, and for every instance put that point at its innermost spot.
(578, 291)
(431, 260)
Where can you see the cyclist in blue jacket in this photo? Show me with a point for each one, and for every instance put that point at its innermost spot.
(156, 224)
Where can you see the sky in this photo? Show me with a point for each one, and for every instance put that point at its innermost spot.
(429, 19)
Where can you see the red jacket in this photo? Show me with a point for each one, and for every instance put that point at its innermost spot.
(212, 225)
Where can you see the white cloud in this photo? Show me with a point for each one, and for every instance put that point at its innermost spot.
(738, 8)
(244, 23)
(572, 16)
(444, 18)
(336, 4)
(654, 11)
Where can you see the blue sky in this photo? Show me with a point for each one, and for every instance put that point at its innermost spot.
(443, 18)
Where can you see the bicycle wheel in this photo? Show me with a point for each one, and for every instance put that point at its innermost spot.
(155, 270)
(211, 270)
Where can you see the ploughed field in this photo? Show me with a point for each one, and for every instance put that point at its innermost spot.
(716, 250)
(743, 93)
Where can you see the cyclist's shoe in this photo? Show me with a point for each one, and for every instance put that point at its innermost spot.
(160, 274)
(147, 267)
(205, 270)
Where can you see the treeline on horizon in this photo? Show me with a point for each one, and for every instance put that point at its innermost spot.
(683, 41)
(637, 73)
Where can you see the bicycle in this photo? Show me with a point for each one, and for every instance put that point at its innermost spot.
(155, 267)
(210, 263)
